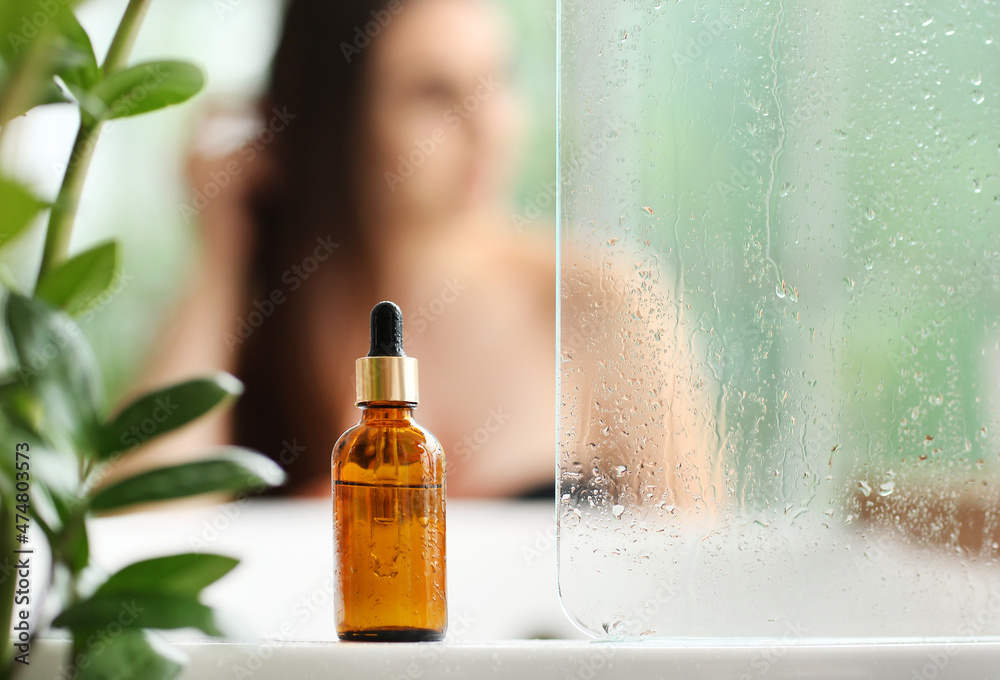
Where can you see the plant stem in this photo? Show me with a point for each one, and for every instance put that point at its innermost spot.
(25, 79)
(63, 213)
(128, 29)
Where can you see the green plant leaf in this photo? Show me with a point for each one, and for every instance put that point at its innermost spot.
(186, 574)
(27, 34)
(47, 93)
(133, 654)
(72, 547)
(76, 283)
(143, 88)
(21, 28)
(230, 469)
(59, 369)
(19, 208)
(20, 407)
(163, 611)
(75, 61)
(157, 413)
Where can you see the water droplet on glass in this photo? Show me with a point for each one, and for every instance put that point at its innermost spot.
(617, 511)
(621, 470)
(617, 628)
(978, 97)
(886, 489)
(863, 485)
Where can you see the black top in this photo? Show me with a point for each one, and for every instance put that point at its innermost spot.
(387, 331)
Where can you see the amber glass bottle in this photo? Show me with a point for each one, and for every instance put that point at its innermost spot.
(389, 503)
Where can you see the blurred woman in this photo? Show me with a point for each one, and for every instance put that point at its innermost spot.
(394, 132)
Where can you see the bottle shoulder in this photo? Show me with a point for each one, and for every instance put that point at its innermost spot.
(388, 452)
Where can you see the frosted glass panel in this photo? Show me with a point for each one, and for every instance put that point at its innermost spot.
(780, 318)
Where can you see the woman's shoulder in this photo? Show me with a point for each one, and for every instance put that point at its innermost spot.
(529, 252)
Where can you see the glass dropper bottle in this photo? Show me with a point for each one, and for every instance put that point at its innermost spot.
(389, 503)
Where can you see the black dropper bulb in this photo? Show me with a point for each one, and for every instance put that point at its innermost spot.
(387, 331)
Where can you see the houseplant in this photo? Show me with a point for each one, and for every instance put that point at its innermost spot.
(57, 433)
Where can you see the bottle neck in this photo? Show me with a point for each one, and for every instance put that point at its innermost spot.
(391, 410)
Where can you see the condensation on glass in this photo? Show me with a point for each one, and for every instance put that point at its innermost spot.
(780, 318)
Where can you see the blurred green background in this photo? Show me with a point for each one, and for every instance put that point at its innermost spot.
(142, 206)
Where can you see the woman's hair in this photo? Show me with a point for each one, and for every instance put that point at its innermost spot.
(317, 88)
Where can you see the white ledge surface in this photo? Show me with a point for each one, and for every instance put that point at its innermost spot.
(563, 660)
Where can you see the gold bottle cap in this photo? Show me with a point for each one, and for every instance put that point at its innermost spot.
(386, 379)
(386, 374)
